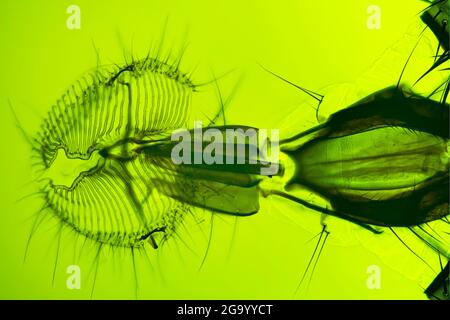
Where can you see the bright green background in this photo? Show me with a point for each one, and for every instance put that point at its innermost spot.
(313, 43)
